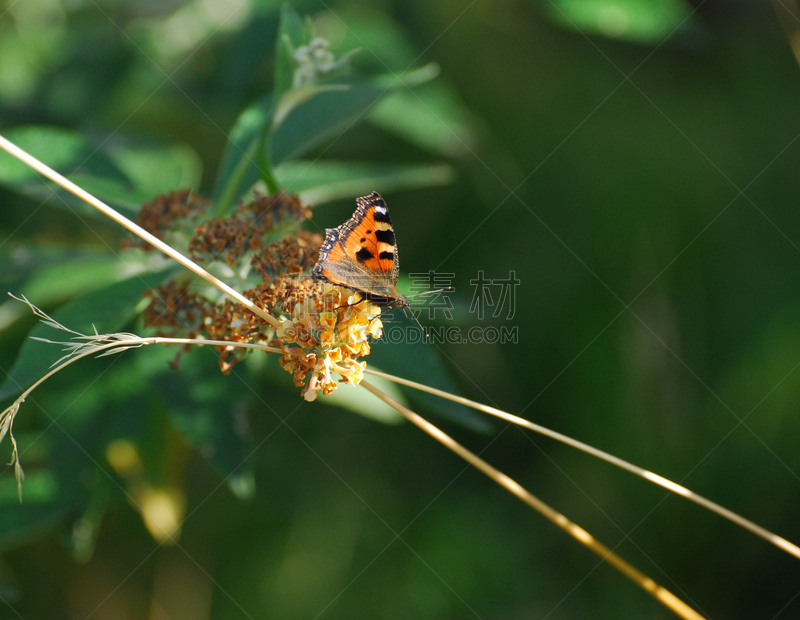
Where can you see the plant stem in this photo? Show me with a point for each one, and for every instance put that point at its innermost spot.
(68, 185)
(664, 596)
(674, 487)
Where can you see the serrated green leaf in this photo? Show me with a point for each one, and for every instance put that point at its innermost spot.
(107, 309)
(322, 181)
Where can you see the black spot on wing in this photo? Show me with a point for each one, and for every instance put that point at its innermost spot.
(386, 236)
(382, 216)
(386, 255)
(364, 255)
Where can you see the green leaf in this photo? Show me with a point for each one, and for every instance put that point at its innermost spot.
(641, 21)
(158, 170)
(297, 96)
(419, 362)
(69, 153)
(323, 181)
(303, 118)
(292, 33)
(432, 117)
(240, 167)
(408, 79)
(327, 115)
(244, 161)
(107, 309)
(72, 276)
(330, 112)
(22, 262)
(210, 411)
(51, 274)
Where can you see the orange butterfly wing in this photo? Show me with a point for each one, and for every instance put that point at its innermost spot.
(361, 254)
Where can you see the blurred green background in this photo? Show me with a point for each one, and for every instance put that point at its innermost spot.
(635, 163)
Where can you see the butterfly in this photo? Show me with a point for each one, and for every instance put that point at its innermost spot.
(361, 254)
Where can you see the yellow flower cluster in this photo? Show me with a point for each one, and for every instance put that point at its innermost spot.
(326, 334)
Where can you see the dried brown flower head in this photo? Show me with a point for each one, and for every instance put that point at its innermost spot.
(325, 329)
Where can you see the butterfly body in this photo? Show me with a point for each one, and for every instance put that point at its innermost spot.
(361, 254)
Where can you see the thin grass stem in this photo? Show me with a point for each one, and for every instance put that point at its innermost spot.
(664, 596)
(674, 487)
(137, 230)
(97, 345)
(132, 341)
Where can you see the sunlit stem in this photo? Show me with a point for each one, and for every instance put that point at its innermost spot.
(137, 342)
(578, 533)
(756, 529)
(137, 230)
(130, 342)
(788, 15)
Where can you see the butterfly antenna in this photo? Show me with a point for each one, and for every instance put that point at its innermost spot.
(438, 290)
(433, 292)
(421, 326)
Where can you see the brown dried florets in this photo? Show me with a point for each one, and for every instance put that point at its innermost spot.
(290, 255)
(173, 306)
(280, 295)
(233, 323)
(222, 236)
(165, 213)
(272, 210)
(175, 312)
(246, 228)
(323, 330)
(253, 231)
